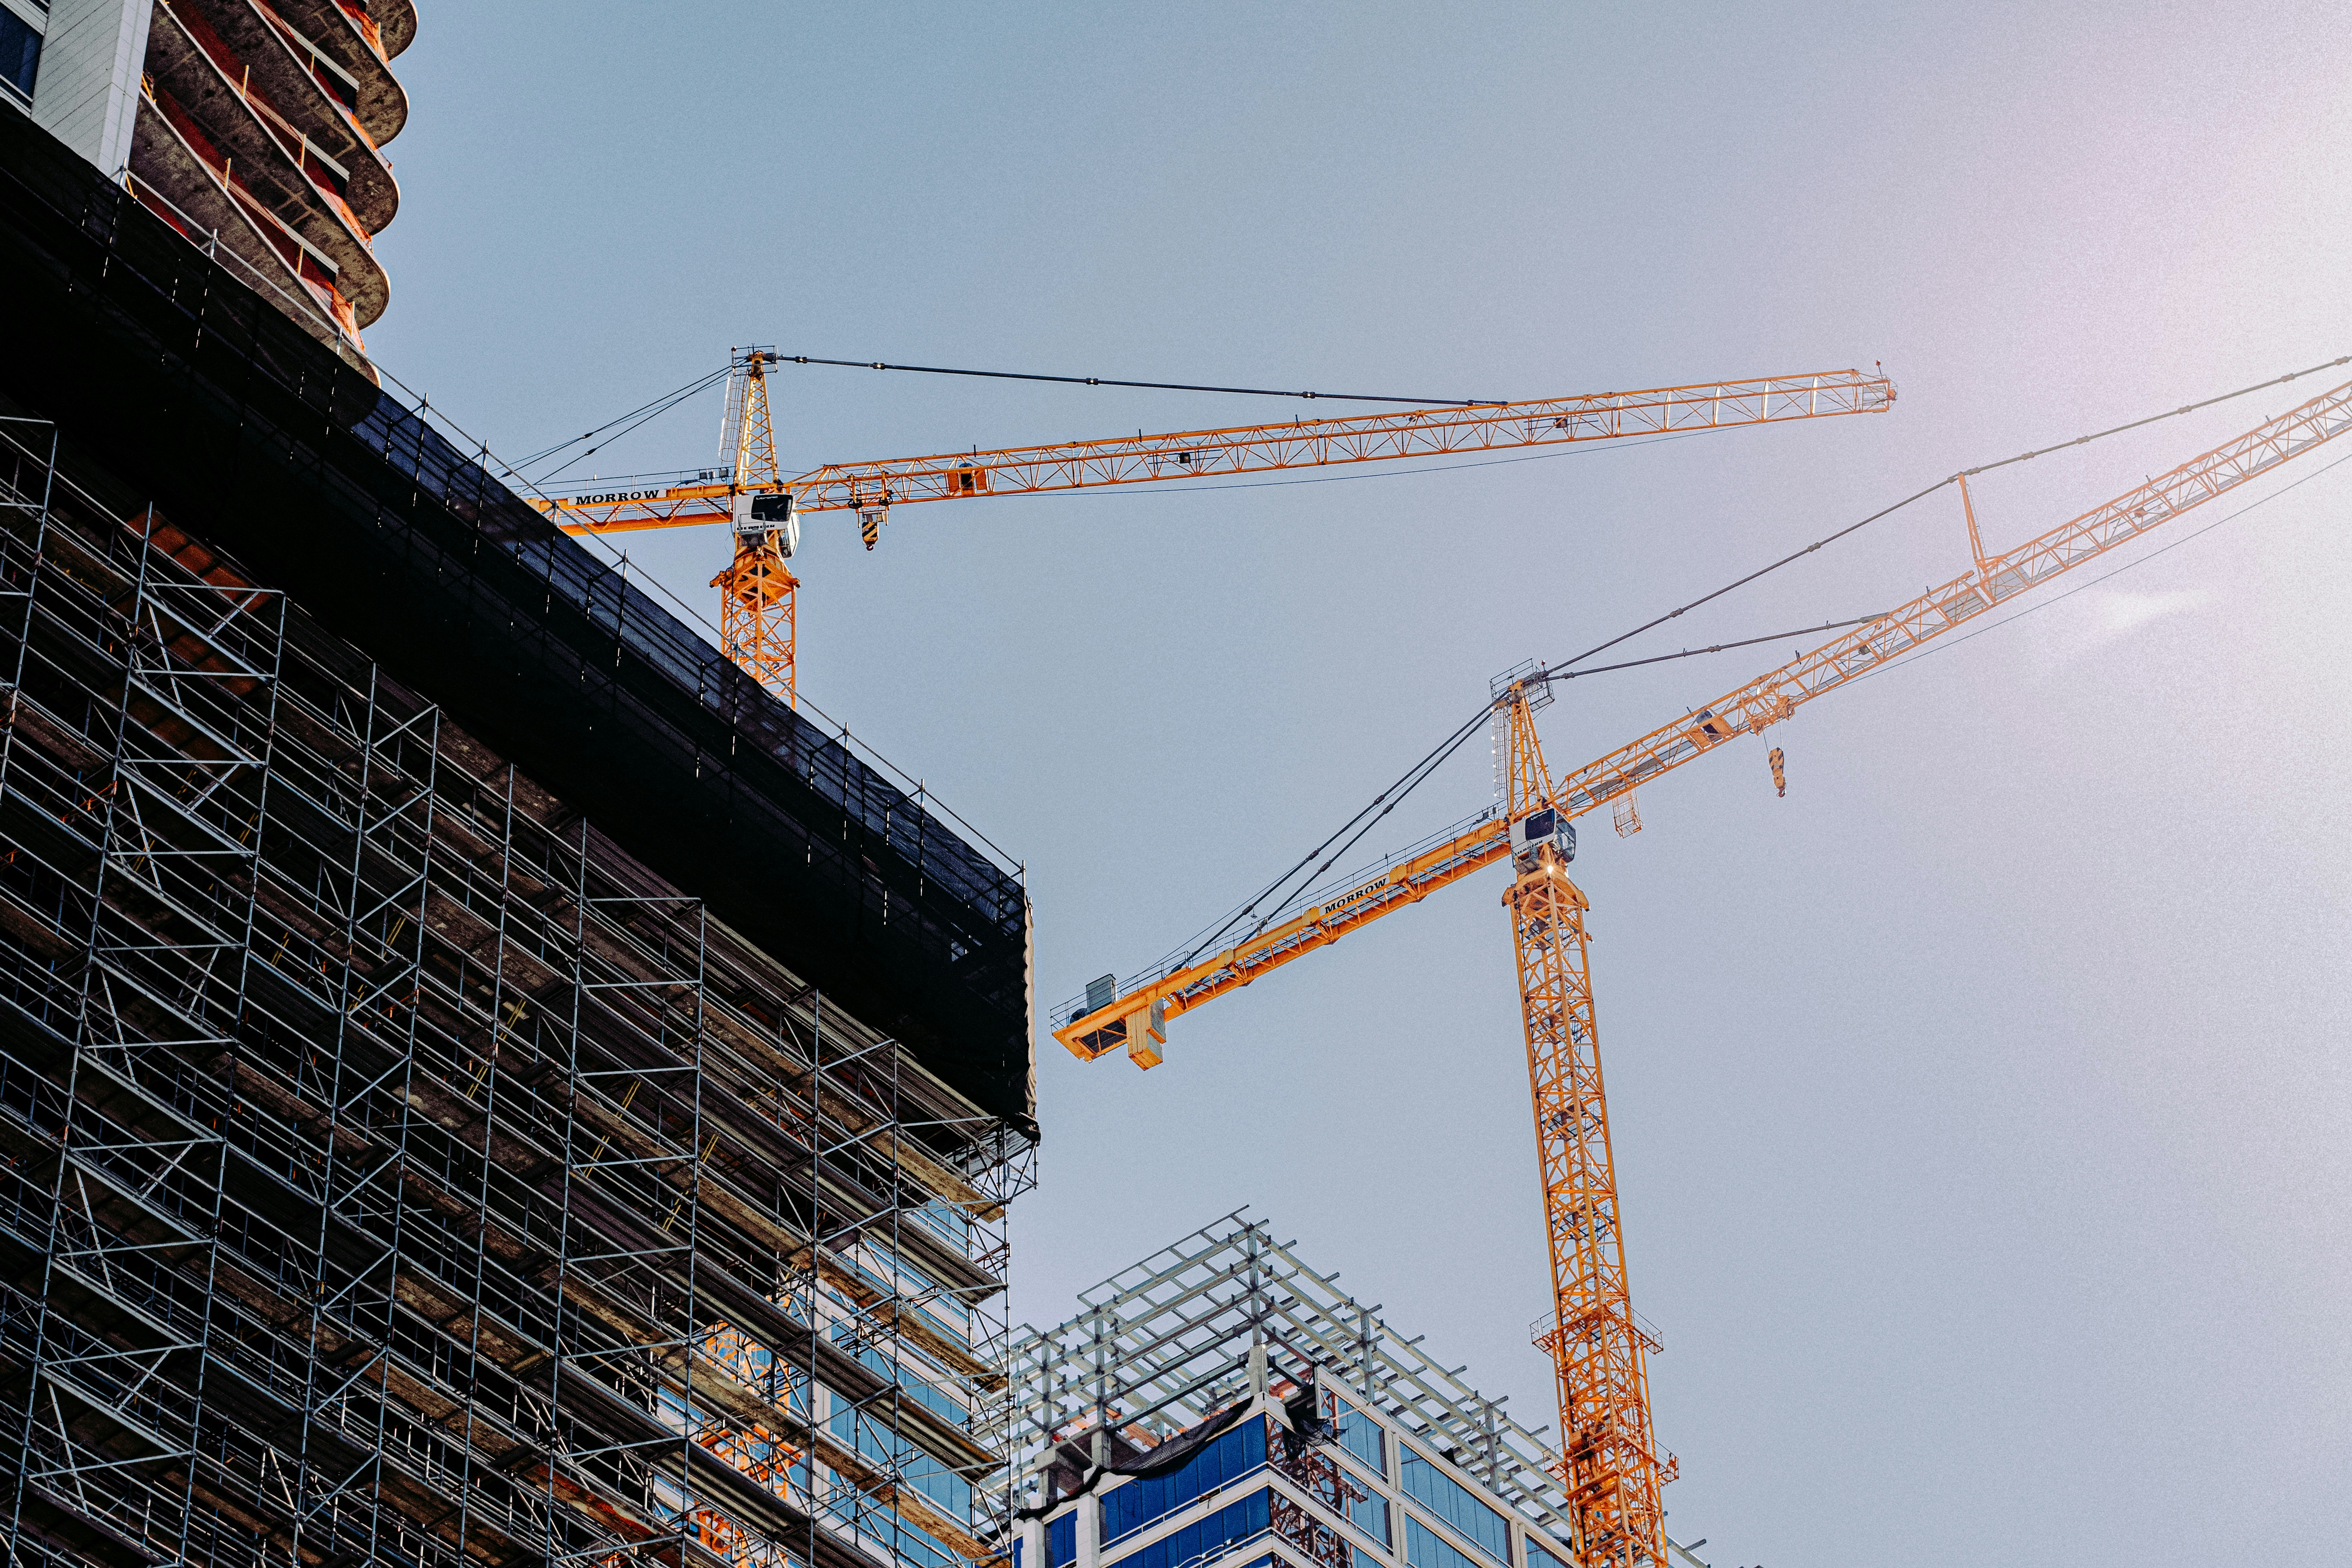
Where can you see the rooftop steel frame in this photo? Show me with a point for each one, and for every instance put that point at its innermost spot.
(1161, 1345)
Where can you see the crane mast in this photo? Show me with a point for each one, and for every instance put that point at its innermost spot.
(757, 611)
(1609, 1466)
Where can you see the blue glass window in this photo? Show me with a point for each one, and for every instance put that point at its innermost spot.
(1370, 1515)
(868, 1433)
(1424, 1548)
(1450, 1500)
(20, 52)
(1232, 1456)
(1362, 1437)
(1062, 1540)
(1536, 1556)
(1016, 1551)
(907, 1378)
(1234, 1523)
(1360, 1558)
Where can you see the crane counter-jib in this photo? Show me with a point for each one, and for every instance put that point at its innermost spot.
(1133, 1019)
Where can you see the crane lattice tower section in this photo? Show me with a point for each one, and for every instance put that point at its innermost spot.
(481, 1081)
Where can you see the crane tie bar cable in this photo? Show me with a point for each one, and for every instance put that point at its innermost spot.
(2167, 414)
(1931, 490)
(1712, 648)
(636, 418)
(1147, 386)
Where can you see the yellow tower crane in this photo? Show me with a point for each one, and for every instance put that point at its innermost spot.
(1609, 1464)
(759, 617)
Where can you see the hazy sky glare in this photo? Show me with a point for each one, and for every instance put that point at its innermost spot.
(1981, 1107)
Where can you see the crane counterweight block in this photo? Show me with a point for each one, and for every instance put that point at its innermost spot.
(1142, 1029)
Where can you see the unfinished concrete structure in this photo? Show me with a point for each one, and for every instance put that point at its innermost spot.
(481, 1080)
(1221, 1401)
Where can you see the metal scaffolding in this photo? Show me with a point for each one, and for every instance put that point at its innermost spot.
(396, 1170)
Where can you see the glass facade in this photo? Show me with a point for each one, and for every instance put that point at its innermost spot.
(1451, 1501)
(1127, 1508)
(1437, 1523)
(1362, 1437)
(1424, 1548)
(1234, 1523)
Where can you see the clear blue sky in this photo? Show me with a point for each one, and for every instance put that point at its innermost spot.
(1981, 1108)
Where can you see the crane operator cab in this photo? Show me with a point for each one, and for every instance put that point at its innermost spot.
(768, 512)
(1532, 831)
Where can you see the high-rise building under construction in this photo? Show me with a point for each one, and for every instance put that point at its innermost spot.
(481, 1081)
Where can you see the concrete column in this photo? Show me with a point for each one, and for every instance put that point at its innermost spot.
(1089, 1532)
(86, 94)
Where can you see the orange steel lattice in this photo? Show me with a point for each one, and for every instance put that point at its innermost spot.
(759, 617)
(1608, 1465)
(758, 624)
(751, 1449)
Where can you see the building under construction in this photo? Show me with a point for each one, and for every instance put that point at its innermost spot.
(480, 1079)
(1223, 1402)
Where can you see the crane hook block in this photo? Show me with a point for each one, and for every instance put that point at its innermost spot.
(1779, 779)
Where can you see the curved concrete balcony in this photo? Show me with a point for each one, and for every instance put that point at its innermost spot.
(396, 19)
(267, 57)
(268, 159)
(348, 33)
(173, 178)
